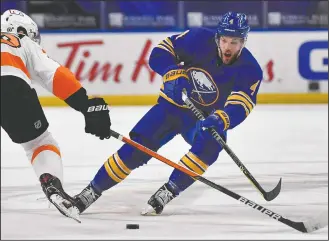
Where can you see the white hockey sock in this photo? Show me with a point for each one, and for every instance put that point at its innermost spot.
(45, 156)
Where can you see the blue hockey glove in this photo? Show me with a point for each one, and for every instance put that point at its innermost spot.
(175, 81)
(218, 120)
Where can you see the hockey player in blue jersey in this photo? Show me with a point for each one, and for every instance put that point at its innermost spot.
(222, 79)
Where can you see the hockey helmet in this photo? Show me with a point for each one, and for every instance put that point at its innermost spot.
(14, 21)
(233, 25)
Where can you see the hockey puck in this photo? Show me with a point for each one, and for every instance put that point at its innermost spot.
(132, 226)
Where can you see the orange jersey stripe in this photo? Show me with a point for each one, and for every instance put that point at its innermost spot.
(8, 59)
(65, 84)
(45, 148)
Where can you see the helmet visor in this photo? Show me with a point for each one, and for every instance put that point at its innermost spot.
(37, 37)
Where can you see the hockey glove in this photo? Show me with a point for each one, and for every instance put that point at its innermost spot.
(175, 81)
(218, 120)
(95, 111)
(97, 118)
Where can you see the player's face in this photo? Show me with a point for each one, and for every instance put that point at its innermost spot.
(229, 48)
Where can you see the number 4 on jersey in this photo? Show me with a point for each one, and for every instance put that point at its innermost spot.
(253, 87)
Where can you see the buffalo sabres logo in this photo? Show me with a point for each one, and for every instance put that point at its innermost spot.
(205, 91)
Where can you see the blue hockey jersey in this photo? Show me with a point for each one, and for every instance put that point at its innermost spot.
(216, 86)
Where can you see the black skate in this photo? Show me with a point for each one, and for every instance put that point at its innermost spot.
(158, 201)
(87, 197)
(53, 189)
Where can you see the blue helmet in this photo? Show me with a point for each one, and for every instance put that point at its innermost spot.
(234, 25)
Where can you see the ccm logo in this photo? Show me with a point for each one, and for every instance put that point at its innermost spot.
(97, 108)
(313, 60)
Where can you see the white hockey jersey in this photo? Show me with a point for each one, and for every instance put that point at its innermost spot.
(22, 57)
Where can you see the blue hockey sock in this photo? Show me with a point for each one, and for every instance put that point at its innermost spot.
(101, 181)
(111, 173)
(180, 180)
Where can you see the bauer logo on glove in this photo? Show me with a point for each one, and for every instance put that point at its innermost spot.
(97, 118)
(175, 80)
(98, 108)
(175, 74)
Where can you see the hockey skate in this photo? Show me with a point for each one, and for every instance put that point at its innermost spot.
(87, 197)
(53, 189)
(158, 201)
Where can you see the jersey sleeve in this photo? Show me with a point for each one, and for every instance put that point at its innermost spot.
(171, 51)
(243, 97)
(52, 76)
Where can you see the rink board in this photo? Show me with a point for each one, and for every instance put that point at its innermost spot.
(117, 100)
(115, 65)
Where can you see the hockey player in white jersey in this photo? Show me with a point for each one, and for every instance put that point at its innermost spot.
(24, 62)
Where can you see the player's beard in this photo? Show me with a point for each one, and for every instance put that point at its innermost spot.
(228, 60)
(228, 57)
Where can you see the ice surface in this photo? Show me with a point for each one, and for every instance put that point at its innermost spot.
(288, 141)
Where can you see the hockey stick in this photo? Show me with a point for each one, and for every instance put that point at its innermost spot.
(268, 196)
(305, 227)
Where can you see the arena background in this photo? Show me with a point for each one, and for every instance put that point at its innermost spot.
(107, 44)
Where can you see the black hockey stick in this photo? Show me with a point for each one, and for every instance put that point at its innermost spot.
(305, 227)
(268, 196)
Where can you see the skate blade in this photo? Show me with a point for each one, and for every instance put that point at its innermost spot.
(71, 212)
(149, 211)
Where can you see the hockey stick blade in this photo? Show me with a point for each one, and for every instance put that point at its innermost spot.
(268, 196)
(308, 226)
(305, 227)
(320, 221)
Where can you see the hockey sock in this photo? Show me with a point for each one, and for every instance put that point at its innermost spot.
(45, 156)
(180, 180)
(111, 173)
